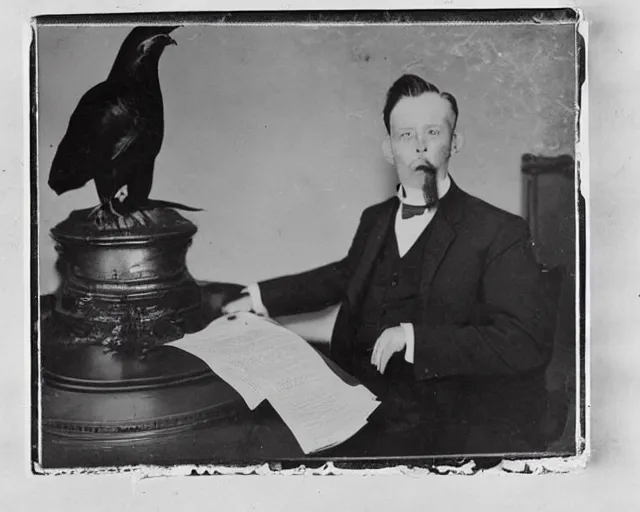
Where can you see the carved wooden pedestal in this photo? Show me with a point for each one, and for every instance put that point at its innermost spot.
(108, 376)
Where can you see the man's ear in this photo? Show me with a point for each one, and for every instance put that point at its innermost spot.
(457, 142)
(386, 150)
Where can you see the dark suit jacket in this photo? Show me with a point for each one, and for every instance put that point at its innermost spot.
(481, 341)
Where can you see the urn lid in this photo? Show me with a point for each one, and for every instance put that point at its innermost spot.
(154, 224)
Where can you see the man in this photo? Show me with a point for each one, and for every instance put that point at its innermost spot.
(441, 307)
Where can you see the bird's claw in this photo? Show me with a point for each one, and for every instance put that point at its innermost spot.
(95, 211)
(105, 215)
(98, 215)
(114, 211)
(141, 217)
(132, 220)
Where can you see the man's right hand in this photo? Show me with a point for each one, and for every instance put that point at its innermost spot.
(242, 305)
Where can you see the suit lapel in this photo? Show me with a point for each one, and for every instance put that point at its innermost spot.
(372, 247)
(442, 235)
(440, 238)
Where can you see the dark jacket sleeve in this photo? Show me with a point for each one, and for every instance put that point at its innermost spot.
(508, 336)
(315, 289)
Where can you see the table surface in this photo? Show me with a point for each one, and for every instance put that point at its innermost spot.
(242, 438)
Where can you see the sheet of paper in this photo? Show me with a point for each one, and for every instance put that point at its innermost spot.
(224, 357)
(323, 417)
(263, 360)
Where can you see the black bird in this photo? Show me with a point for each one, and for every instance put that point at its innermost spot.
(116, 131)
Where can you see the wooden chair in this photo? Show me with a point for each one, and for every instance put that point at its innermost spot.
(549, 206)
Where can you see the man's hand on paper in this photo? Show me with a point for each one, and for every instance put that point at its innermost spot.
(392, 340)
(262, 361)
(242, 305)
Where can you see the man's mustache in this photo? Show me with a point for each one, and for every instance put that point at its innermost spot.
(426, 167)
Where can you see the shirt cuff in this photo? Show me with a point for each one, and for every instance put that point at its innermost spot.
(410, 341)
(256, 298)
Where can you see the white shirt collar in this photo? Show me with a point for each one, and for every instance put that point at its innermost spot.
(415, 197)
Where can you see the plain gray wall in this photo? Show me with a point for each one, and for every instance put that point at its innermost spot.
(276, 130)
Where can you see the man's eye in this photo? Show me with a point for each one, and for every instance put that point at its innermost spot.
(433, 132)
(405, 135)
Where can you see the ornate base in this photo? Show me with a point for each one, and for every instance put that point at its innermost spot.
(125, 292)
(128, 289)
(103, 396)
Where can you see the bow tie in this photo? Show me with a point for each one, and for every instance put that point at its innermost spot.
(409, 210)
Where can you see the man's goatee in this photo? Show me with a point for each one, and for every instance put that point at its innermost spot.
(430, 186)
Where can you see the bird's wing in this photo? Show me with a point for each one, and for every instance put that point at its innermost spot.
(101, 129)
(122, 125)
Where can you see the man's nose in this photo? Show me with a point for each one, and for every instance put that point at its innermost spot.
(422, 145)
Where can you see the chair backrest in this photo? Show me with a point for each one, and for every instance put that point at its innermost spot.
(552, 280)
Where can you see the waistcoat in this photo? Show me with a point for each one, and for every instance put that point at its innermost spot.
(391, 298)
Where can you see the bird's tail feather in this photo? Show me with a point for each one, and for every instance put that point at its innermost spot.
(62, 180)
(159, 203)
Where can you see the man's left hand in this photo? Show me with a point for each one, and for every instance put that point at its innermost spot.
(392, 340)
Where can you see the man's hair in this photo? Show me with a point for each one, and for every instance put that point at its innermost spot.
(412, 86)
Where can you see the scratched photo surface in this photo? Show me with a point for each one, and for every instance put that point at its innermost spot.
(275, 134)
